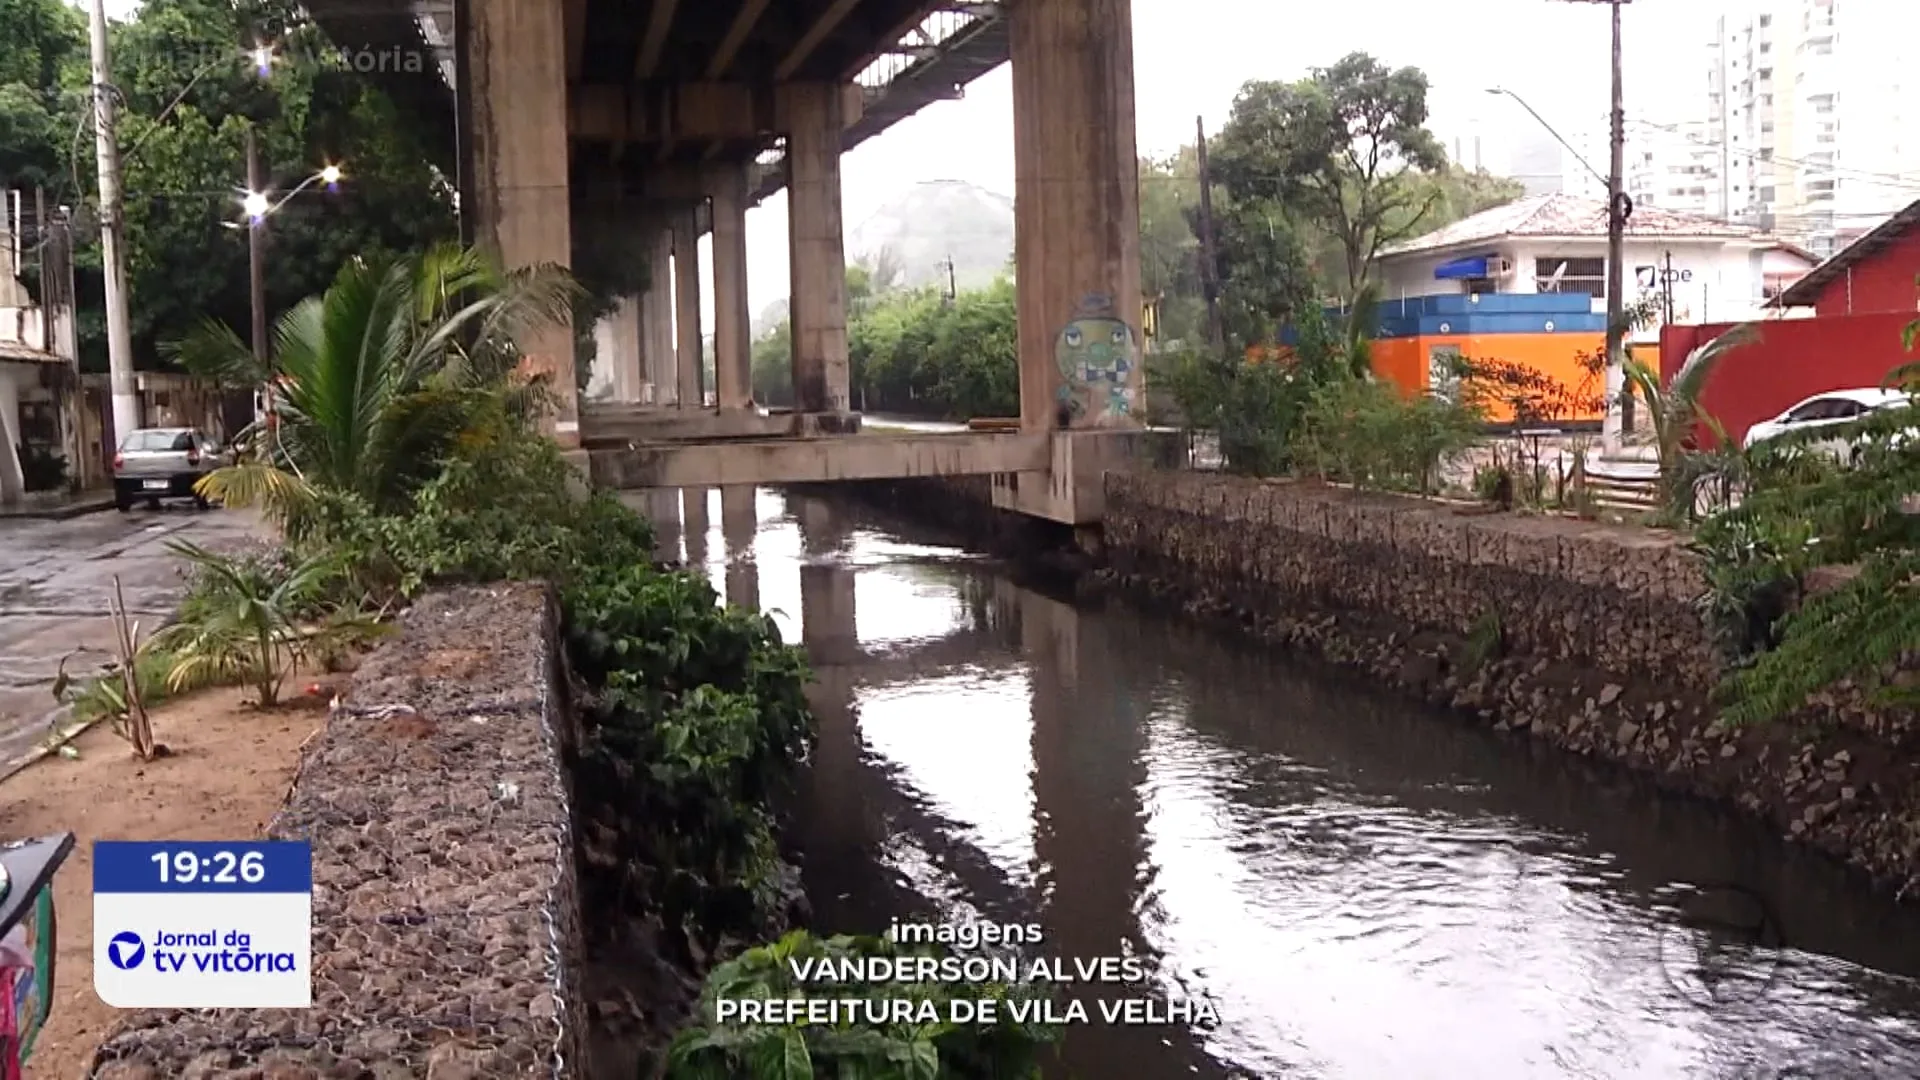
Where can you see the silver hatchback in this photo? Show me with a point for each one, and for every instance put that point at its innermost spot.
(162, 463)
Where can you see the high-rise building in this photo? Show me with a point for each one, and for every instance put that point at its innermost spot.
(1815, 116)
(1675, 167)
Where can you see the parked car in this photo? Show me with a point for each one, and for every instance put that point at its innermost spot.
(1831, 409)
(162, 463)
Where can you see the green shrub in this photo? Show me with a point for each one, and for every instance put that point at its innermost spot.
(1252, 407)
(1366, 433)
(699, 719)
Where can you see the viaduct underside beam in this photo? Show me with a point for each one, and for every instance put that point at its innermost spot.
(816, 460)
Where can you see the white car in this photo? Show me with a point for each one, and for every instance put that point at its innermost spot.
(1831, 409)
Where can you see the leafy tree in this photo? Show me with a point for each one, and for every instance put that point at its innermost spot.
(42, 83)
(1343, 148)
(773, 366)
(1170, 247)
(1265, 280)
(189, 91)
(917, 352)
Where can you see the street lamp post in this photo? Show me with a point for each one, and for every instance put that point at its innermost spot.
(256, 259)
(258, 205)
(1619, 419)
(1619, 416)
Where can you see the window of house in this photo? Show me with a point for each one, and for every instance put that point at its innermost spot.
(1587, 276)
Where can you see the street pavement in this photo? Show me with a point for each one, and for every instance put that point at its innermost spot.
(56, 578)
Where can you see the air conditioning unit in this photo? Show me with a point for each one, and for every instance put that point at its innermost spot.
(1499, 267)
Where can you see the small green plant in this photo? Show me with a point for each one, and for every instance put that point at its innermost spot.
(253, 619)
(1493, 484)
(1486, 642)
(907, 1049)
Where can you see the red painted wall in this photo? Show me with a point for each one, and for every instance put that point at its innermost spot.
(1883, 281)
(1792, 359)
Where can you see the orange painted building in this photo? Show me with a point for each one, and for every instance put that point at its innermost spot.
(1420, 341)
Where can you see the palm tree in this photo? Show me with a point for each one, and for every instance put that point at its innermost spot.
(1676, 409)
(244, 621)
(373, 382)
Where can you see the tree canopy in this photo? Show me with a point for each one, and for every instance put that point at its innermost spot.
(188, 92)
(1345, 149)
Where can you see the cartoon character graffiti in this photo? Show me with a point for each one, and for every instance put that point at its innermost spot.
(1097, 357)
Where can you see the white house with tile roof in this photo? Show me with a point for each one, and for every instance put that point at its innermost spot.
(1558, 243)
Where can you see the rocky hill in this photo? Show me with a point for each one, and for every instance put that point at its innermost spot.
(931, 222)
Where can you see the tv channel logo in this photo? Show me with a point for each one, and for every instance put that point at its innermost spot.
(125, 950)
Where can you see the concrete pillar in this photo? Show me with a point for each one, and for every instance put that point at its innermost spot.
(623, 352)
(662, 363)
(516, 69)
(740, 526)
(732, 320)
(817, 258)
(693, 505)
(663, 511)
(686, 306)
(1076, 213)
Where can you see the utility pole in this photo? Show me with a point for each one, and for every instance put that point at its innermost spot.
(1619, 418)
(256, 254)
(953, 286)
(1216, 334)
(126, 404)
(1619, 208)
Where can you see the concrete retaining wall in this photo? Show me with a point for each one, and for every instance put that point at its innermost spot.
(447, 938)
(1603, 651)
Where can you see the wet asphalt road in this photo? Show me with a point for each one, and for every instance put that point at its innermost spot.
(55, 581)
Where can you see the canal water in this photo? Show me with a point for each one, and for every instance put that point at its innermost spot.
(1360, 888)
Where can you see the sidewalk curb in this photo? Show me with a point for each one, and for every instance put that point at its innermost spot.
(90, 504)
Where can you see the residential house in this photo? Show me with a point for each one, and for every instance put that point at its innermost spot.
(38, 378)
(1527, 282)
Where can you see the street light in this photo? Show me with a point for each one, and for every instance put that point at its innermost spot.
(1502, 91)
(258, 204)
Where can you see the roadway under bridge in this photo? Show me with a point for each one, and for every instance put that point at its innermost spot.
(667, 119)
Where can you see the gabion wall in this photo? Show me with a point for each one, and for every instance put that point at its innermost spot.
(446, 938)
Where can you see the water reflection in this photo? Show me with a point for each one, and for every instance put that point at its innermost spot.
(1365, 891)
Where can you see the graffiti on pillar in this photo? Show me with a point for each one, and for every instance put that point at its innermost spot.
(1098, 355)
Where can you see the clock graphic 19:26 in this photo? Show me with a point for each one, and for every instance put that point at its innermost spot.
(219, 868)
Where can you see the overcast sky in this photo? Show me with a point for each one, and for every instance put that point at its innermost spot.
(1190, 56)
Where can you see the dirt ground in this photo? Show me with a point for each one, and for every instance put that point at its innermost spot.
(230, 768)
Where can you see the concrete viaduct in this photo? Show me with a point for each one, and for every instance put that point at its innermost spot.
(673, 117)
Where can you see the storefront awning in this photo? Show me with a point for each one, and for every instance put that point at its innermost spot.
(1471, 267)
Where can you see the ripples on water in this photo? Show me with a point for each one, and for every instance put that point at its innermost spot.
(1363, 890)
